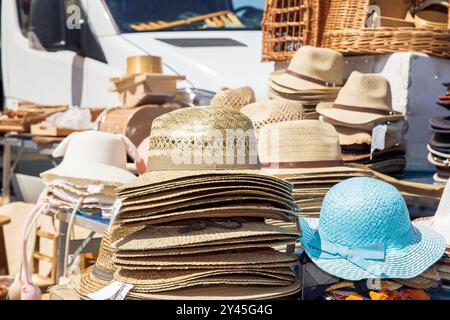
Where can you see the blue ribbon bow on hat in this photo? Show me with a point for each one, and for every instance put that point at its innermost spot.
(362, 256)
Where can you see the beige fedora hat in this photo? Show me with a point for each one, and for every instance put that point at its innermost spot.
(199, 141)
(300, 147)
(92, 156)
(365, 98)
(233, 98)
(273, 111)
(349, 136)
(312, 68)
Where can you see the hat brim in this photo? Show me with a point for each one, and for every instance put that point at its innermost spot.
(435, 163)
(95, 172)
(438, 224)
(288, 81)
(313, 94)
(353, 117)
(286, 173)
(164, 176)
(438, 179)
(87, 283)
(426, 248)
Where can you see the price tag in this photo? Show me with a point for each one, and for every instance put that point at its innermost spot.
(378, 138)
(110, 291)
(115, 210)
(123, 292)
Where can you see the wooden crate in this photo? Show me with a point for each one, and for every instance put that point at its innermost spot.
(50, 130)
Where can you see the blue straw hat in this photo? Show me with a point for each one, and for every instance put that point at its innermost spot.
(365, 232)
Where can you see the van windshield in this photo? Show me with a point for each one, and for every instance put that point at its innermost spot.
(186, 15)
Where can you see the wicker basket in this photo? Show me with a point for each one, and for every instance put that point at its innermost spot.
(286, 27)
(346, 31)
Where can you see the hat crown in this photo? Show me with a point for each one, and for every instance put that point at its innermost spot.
(364, 211)
(202, 138)
(319, 63)
(96, 147)
(371, 91)
(299, 141)
(273, 111)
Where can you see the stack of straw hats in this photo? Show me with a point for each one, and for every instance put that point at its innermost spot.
(364, 232)
(307, 154)
(440, 222)
(94, 164)
(370, 132)
(193, 226)
(233, 98)
(439, 146)
(314, 75)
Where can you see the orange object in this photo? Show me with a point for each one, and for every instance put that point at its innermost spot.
(417, 294)
(382, 295)
(354, 297)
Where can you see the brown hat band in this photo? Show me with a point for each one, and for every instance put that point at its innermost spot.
(302, 164)
(313, 80)
(364, 110)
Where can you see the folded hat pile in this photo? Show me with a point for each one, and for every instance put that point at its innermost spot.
(94, 165)
(307, 154)
(314, 75)
(364, 232)
(444, 101)
(439, 147)
(370, 132)
(195, 229)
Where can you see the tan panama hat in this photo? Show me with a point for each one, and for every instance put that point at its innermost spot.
(304, 146)
(233, 98)
(312, 69)
(101, 274)
(199, 141)
(365, 98)
(273, 111)
(315, 94)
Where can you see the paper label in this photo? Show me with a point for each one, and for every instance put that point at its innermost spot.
(108, 292)
(123, 291)
(95, 188)
(115, 210)
(378, 138)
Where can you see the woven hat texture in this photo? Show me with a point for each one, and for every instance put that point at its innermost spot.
(233, 98)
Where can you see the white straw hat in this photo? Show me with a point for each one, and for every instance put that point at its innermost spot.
(365, 98)
(441, 220)
(93, 156)
(312, 68)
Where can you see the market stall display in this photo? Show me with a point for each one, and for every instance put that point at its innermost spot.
(188, 216)
(233, 98)
(314, 75)
(370, 131)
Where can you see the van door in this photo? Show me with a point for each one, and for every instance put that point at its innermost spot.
(37, 66)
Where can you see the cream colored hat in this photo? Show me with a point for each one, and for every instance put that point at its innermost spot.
(233, 98)
(365, 98)
(441, 220)
(312, 68)
(93, 156)
(273, 111)
(304, 145)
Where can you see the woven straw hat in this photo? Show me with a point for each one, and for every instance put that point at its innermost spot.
(349, 136)
(324, 94)
(92, 156)
(312, 68)
(273, 111)
(441, 220)
(194, 142)
(233, 98)
(365, 98)
(365, 232)
(101, 274)
(300, 146)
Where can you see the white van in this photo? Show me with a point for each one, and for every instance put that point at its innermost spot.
(65, 51)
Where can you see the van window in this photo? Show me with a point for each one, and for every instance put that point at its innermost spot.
(186, 15)
(23, 8)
